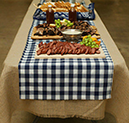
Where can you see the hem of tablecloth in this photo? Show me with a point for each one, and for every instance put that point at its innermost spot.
(64, 116)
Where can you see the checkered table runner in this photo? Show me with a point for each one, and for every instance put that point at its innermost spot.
(63, 79)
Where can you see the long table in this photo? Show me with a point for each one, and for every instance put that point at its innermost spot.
(86, 109)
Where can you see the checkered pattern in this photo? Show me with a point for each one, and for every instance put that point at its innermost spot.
(63, 79)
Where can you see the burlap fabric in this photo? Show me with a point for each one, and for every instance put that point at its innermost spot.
(118, 105)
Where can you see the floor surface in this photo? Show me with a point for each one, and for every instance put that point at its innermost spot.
(114, 14)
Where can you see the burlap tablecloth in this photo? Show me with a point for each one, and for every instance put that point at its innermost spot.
(118, 105)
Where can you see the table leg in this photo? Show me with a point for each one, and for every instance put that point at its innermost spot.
(93, 121)
(36, 119)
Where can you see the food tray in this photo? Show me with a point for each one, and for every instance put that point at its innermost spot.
(44, 37)
(40, 15)
(59, 56)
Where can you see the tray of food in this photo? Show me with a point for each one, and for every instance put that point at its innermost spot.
(54, 31)
(88, 48)
(62, 6)
(46, 31)
(61, 10)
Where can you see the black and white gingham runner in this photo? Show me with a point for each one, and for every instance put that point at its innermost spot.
(63, 79)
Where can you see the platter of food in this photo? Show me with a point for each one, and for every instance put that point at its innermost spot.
(62, 6)
(54, 31)
(58, 49)
(61, 10)
(41, 33)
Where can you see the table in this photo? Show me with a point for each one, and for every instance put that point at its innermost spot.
(9, 84)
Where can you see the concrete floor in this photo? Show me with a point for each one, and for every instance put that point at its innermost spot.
(114, 13)
(115, 16)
